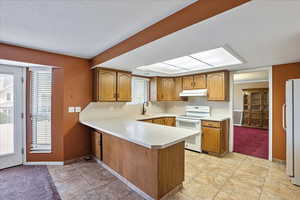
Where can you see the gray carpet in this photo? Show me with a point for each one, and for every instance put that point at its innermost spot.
(27, 183)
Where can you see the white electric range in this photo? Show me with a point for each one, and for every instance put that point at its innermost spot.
(192, 120)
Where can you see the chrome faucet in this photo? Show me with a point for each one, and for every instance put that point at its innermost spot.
(144, 110)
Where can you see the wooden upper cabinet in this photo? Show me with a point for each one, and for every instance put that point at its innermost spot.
(200, 81)
(188, 82)
(111, 85)
(123, 86)
(197, 81)
(178, 88)
(218, 86)
(107, 85)
(166, 89)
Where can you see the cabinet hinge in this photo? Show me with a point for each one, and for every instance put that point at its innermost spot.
(22, 115)
(22, 79)
(22, 150)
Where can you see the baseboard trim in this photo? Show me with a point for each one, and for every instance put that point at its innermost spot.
(43, 163)
(278, 161)
(76, 159)
(124, 180)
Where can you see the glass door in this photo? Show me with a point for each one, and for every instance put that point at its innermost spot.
(11, 101)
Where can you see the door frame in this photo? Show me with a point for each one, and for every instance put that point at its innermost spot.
(21, 107)
(270, 131)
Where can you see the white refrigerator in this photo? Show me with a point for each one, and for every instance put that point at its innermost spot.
(291, 124)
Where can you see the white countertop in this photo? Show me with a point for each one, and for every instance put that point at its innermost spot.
(146, 134)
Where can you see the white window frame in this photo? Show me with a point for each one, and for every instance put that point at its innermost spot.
(41, 148)
(146, 90)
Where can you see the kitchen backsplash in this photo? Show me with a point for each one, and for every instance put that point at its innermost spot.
(217, 107)
(115, 109)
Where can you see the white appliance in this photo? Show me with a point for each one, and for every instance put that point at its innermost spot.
(192, 120)
(193, 93)
(291, 119)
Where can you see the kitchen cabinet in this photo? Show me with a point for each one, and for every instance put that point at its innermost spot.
(96, 138)
(167, 121)
(166, 89)
(147, 120)
(170, 121)
(197, 81)
(160, 121)
(218, 86)
(188, 82)
(123, 86)
(200, 81)
(111, 85)
(215, 137)
(177, 89)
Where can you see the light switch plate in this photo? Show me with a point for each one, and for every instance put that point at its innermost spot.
(77, 109)
(71, 109)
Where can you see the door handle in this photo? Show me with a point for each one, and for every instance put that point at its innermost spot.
(284, 116)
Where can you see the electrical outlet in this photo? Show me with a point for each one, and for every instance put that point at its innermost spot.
(78, 109)
(71, 109)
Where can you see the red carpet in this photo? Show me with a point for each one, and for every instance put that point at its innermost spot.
(251, 141)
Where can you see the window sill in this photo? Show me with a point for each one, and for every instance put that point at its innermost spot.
(40, 151)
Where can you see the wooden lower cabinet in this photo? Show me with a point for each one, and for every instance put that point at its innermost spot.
(96, 144)
(154, 171)
(148, 120)
(167, 121)
(215, 137)
(170, 121)
(160, 121)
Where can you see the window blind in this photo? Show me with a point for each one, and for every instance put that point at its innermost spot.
(41, 90)
(140, 90)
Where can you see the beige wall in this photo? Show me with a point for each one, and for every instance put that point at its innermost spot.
(100, 110)
(217, 108)
(238, 95)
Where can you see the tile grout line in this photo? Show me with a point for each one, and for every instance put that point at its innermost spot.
(228, 179)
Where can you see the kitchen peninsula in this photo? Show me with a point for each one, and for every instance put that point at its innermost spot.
(149, 157)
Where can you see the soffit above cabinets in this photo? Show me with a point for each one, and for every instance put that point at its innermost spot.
(268, 37)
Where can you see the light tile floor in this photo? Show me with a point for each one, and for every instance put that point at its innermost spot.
(233, 177)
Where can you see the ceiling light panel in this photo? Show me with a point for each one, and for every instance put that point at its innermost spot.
(217, 57)
(162, 68)
(188, 63)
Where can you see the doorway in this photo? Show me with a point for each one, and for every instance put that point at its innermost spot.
(251, 113)
(11, 116)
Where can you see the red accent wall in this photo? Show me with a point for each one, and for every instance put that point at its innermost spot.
(72, 87)
(280, 74)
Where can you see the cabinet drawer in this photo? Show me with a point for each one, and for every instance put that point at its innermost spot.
(211, 124)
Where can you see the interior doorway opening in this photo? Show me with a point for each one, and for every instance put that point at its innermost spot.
(251, 113)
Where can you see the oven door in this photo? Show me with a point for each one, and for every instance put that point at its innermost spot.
(194, 142)
(187, 123)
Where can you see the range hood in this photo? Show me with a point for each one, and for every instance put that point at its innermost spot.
(193, 93)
